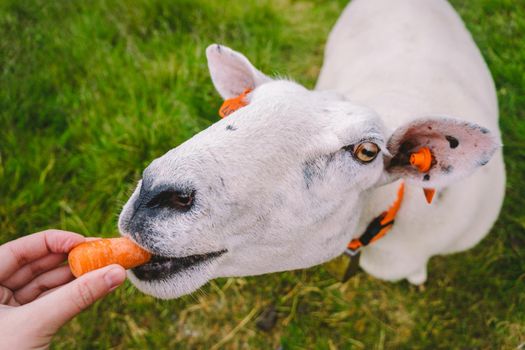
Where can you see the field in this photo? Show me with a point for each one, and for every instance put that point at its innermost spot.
(92, 91)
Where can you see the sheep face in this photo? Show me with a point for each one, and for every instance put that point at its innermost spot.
(272, 187)
(275, 186)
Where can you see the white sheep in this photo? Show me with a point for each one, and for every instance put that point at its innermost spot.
(286, 181)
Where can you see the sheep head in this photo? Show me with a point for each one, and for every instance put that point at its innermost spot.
(277, 185)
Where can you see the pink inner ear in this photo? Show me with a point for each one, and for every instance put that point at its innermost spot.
(457, 148)
(231, 72)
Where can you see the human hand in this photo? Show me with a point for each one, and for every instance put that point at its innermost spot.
(37, 296)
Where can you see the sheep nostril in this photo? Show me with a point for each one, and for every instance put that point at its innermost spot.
(172, 199)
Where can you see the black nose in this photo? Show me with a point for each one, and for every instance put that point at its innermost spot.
(172, 199)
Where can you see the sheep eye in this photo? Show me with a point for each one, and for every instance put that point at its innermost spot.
(366, 152)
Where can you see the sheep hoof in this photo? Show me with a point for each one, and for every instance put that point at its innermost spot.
(418, 278)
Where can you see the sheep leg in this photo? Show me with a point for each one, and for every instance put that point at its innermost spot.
(419, 277)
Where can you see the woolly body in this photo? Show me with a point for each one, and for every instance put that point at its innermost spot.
(406, 59)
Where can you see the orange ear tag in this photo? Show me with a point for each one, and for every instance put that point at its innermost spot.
(232, 104)
(429, 194)
(422, 160)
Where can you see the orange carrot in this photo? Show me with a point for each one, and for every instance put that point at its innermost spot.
(95, 254)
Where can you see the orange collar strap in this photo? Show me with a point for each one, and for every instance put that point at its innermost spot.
(379, 227)
(232, 104)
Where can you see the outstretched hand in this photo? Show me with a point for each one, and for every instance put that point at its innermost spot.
(38, 294)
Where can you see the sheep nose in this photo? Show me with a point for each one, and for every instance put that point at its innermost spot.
(155, 198)
(153, 202)
(179, 200)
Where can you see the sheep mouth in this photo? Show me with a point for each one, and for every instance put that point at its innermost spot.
(161, 267)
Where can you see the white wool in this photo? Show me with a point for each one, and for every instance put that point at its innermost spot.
(406, 59)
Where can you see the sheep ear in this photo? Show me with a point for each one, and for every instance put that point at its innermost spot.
(231, 72)
(457, 149)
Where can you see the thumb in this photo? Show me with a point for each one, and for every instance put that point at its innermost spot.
(55, 309)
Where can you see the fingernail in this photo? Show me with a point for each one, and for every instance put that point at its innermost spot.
(114, 277)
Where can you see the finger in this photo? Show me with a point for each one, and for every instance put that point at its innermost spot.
(28, 272)
(7, 298)
(48, 292)
(18, 253)
(31, 270)
(55, 309)
(46, 281)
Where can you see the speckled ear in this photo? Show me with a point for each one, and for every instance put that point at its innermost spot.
(457, 149)
(231, 72)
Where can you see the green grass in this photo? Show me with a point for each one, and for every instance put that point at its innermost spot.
(92, 91)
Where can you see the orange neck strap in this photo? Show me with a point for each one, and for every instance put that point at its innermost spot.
(379, 227)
